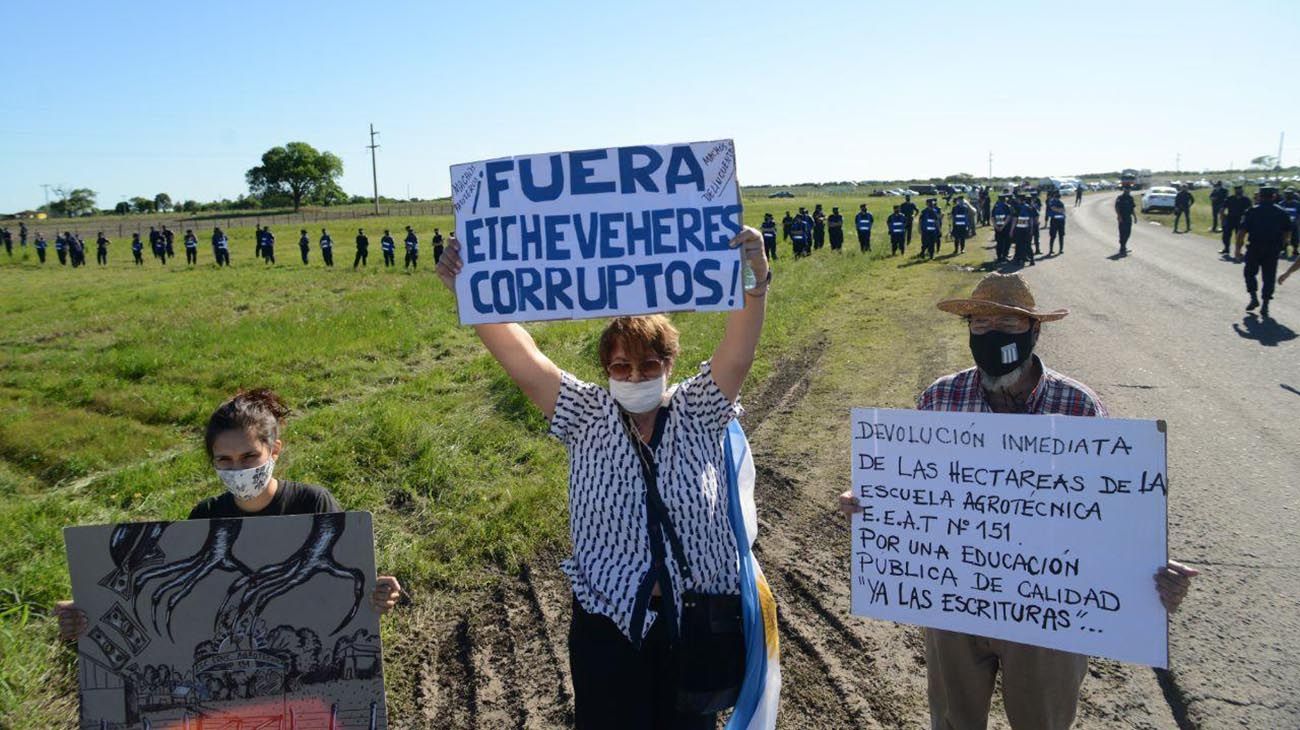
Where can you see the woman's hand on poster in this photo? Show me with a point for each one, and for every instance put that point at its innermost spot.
(449, 263)
(1172, 583)
(750, 243)
(387, 592)
(849, 504)
(72, 621)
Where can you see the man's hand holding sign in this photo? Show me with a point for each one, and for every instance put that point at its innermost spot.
(1022, 543)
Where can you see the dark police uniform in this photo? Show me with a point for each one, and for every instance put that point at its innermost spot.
(785, 226)
(1218, 196)
(61, 248)
(961, 226)
(863, 221)
(1183, 209)
(101, 250)
(819, 228)
(1038, 217)
(169, 242)
(221, 248)
(412, 250)
(1291, 204)
(437, 246)
(799, 236)
(897, 225)
(137, 249)
(155, 245)
(268, 245)
(835, 223)
(1055, 223)
(363, 250)
(1266, 226)
(191, 248)
(40, 247)
(908, 209)
(304, 246)
(1003, 215)
(1023, 232)
(258, 238)
(389, 248)
(327, 248)
(769, 236)
(931, 229)
(1234, 207)
(1124, 206)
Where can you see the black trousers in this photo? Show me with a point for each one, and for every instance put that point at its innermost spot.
(139, 258)
(819, 236)
(223, 256)
(268, 253)
(101, 256)
(1056, 229)
(191, 255)
(1229, 228)
(327, 253)
(769, 246)
(800, 247)
(616, 685)
(929, 243)
(412, 260)
(257, 250)
(1037, 228)
(304, 250)
(1186, 215)
(958, 239)
(1215, 210)
(909, 229)
(1024, 239)
(389, 258)
(361, 257)
(40, 254)
(437, 253)
(1125, 230)
(1261, 260)
(864, 240)
(837, 239)
(1001, 243)
(897, 243)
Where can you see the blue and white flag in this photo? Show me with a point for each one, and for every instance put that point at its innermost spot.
(760, 692)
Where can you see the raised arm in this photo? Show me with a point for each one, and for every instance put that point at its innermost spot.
(510, 344)
(735, 354)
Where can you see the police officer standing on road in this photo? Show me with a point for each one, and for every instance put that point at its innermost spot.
(1234, 207)
(863, 221)
(388, 248)
(961, 224)
(931, 228)
(769, 236)
(191, 247)
(326, 248)
(1026, 222)
(836, 225)
(896, 223)
(1055, 221)
(304, 245)
(1183, 208)
(1217, 198)
(1125, 214)
(819, 227)
(101, 249)
(1267, 226)
(437, 246)
(363, 248)
(908, 209)
(1078, 198)
(799, 234)
(1003, 220)
(1291, 204)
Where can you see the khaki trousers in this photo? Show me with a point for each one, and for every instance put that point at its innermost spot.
(1040, 687)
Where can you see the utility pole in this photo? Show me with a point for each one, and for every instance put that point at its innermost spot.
(990, 166)
(46, 188)
(1280, 138)
(374, 174)
(1178, 162)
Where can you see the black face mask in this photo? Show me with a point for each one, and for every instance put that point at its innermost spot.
(998, 353)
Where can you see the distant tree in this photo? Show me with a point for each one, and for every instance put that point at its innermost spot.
(79, 201)
(141, 205)
(1264, 162)
(190, 206)
(297, 170)
(122, 208)
(162, 202)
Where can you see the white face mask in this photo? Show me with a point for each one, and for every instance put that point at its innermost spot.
(639, 397)
(248, 483)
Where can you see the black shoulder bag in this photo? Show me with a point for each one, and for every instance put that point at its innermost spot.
(711, 642)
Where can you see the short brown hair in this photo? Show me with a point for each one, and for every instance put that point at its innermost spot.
(258, 412)
(640, 337)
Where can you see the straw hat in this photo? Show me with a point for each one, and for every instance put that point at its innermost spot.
(1000, 294)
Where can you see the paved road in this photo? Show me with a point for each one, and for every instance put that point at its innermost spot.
(1163, 333)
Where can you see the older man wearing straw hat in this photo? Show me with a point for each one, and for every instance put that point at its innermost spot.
(1040, 686)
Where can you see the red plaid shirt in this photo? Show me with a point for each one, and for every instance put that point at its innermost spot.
(1054, 393)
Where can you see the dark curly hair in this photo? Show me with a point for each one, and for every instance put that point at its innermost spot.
(259, 412)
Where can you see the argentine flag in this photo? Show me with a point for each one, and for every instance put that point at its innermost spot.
(760, 692)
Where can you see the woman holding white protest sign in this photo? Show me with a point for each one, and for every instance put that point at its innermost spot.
(654, 557)
(242, 440)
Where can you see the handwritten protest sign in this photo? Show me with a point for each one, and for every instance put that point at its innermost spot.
(595, 233)
(1044, 530)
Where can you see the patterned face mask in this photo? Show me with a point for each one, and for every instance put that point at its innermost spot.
(247, 484)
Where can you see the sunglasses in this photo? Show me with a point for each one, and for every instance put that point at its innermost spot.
(649, 369)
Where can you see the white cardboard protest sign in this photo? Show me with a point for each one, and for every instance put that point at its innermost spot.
(252, 622)
(1039, 529)
(596, 233)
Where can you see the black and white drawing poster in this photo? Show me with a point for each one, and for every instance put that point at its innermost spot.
(232, 623)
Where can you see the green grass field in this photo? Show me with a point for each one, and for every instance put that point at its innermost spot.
(108, 374)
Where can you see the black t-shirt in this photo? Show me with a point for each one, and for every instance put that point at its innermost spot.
(291, 498)
(1266, 225)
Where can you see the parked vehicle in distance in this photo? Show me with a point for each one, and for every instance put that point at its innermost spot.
(1158, 198)
(782, 194)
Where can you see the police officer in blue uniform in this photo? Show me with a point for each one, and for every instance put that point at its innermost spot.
(908, 209)
(1291, 204)
(1055, 221)
(1267, 226)
(1125, 214)
(326, 248)
(931, 222)
(799, 234)
(769, 236)
(412, 249)
(137, 248)
(388, 248)
(363, 249)
(191, 247)
(1003, 216)
(1217, 197)
(40, 246)
(835, 226)
(221, 247)
(963, 222)
(1234, 207)
(169, 242)
(785, 226)
(437, 246)
(863, 222)
(896, 223)
(304, 245)
(818, 227)
(258, 238)
(101, 249)
(268, 245)
(1023, 232)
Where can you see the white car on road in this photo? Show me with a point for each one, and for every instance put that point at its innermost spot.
(1159, 198)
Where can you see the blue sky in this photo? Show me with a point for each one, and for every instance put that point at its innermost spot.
(143, 97)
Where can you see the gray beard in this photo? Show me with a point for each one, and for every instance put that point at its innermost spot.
(1002, 383)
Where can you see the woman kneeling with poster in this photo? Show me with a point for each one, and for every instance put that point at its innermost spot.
(654, 570)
